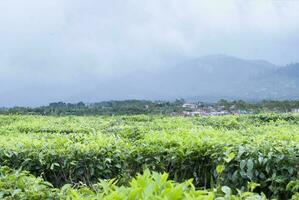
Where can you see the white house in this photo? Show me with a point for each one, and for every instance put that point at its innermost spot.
(189, 105)
(295, 110)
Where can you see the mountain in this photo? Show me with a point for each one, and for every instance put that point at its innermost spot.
(282, 83)
(215, 76)
(211, 78)
(290, 71)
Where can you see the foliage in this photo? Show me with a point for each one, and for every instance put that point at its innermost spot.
(129, 107)
(22, 185)
(136, 107)
(256, 152)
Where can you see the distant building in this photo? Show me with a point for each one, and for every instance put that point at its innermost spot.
(295, 110)
(219, 113)
(186, 114)
(196, 113)
(189, 105)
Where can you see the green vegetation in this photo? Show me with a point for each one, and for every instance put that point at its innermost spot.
(229, 157)
(137, 107)
(128, 107)
(262, 106)
(22, 185)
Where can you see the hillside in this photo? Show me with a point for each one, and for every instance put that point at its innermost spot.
(212, 77)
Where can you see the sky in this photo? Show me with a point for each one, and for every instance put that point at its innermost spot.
(53, 50)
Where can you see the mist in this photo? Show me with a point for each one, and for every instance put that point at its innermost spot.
(75, 50)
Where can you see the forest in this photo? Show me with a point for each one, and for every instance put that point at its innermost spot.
(135, 107)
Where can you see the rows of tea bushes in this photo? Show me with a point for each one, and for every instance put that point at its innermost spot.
(21, 185)
(235, 151)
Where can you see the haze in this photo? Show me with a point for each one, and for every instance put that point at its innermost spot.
(76, 50)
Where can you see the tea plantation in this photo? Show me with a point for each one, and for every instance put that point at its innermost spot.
(149, 157)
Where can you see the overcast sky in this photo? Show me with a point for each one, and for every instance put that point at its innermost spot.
(50, 47)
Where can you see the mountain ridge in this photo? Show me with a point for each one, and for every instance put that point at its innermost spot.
(215, 76)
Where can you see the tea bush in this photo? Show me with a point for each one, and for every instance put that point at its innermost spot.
(213, 151)
(21, 185)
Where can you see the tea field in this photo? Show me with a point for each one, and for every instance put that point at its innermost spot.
(149, 157)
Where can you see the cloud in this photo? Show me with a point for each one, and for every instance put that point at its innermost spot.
(66, 42)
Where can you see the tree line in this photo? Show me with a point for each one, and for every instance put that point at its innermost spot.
(135, 107)
(127, 107)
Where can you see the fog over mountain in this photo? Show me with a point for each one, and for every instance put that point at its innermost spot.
(207, 78)
(94, 50)
(210, 78)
